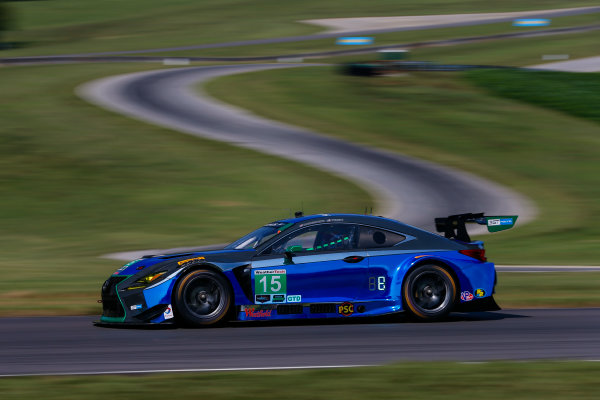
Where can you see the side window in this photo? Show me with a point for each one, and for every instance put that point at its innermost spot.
(333, 237)
(305, 240)
(371, 237)
(317, 238)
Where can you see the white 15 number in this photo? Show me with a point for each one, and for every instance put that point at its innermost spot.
(275, 283)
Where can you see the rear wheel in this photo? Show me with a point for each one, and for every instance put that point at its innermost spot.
(202, 298)
(429, 292)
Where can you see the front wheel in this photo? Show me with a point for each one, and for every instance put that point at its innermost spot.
(202, 298)
(429, 292)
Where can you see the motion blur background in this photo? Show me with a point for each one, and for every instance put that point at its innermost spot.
(78, 182)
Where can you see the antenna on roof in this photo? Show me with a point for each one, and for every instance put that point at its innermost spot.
(298, 214)
(365, 210)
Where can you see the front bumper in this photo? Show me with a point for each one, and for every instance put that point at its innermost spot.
(150, 305)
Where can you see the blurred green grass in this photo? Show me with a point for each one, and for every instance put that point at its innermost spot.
(574, 94)
(405, 37)
(447, 118)
(411, 380)
(79, 182)
(548, 289)
(514, 52)
(78, 26)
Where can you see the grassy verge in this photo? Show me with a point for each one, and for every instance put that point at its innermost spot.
(78, 182)
(402, 37)
(576, 95)
(445, 118)
(548, 289)
(75, 26)
(515, 52)
(499, 380)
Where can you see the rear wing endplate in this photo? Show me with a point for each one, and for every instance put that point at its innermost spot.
(454, 227)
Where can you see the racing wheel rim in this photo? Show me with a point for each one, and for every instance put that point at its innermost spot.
(202, 298)
(430, 292)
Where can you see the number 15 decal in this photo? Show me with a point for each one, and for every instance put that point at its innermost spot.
(270, 282)
(377, 283)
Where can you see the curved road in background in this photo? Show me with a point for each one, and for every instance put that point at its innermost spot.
(72, 345)
(405, 188)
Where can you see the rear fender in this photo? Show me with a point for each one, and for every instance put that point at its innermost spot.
(413, 262)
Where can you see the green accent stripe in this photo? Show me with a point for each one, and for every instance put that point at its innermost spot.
(115, 319)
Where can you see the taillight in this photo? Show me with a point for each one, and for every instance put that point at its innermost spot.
(478, 254)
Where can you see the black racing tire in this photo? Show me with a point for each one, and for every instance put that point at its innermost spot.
(202, 298)
(429, 292)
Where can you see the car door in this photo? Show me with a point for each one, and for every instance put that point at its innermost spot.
(322, 264)
(384, 257)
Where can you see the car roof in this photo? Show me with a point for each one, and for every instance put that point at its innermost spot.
(331, 216)
(352, 218)
(426, 238)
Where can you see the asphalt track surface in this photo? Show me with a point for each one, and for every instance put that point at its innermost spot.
(405, 188)
(587, 64)
(72, 345)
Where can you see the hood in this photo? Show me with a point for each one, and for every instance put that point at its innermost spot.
(216, 256)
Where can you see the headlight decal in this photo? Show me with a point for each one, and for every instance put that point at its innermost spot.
(166, 279)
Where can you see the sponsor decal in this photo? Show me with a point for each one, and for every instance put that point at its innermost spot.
(294, 298)
(500, 221)
(168, 314)
(479, 293)
(466, 296)
(262, 298)
(253, 313)
(190, 259)
(270, 272)
(136, 307)
(276, 224)
(346, 309)
(270, 283)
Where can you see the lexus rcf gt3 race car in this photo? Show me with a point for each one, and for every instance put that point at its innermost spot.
(318, 266)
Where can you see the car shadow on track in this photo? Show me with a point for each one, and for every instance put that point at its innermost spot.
(386, 319)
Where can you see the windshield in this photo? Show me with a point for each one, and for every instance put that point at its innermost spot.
(258, 237)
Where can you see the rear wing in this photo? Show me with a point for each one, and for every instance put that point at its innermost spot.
(454, 227)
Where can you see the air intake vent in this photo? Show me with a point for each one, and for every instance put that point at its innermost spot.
(111, 306)
(290, 309)
(326, 308)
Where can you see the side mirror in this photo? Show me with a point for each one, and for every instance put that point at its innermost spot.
(290, 252)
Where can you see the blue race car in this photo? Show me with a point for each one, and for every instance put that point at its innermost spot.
(318, 266)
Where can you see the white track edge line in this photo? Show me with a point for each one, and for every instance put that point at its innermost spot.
(156, 371)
